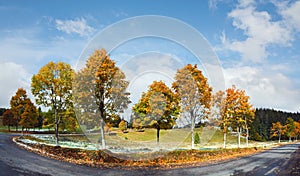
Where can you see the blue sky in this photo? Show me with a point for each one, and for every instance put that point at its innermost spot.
(257, 42)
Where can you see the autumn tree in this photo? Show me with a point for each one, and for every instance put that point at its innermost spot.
(219, 109)
(100, 92)
(8, 119)
(48, 119)
(18, 104)
(296, 131)
(69, 121)
(240, 111)
(123, 125)
(29, 118)
(195, 95)
(277, 130)
(158, 108)
(289, 128)
(246, 113)
(52, 87)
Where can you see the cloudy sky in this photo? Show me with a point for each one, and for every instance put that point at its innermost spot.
(257, 42)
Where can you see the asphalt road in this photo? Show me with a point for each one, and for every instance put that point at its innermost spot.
(16, 161)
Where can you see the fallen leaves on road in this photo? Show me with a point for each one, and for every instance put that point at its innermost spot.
(104, 158)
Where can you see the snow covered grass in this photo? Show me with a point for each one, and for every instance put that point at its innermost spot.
(50, 140)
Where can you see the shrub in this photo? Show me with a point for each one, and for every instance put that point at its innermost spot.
(196, 138)
(123, 125)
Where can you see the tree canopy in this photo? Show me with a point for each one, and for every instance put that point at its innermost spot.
(18, 103)
(100, 91)
(52, 87)
(158, 108)
(8, 119)
(239, 111)
(195, 95)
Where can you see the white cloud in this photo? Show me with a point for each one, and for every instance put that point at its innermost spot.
(25, 48)
(77, 26)
(12, 77)
(213, 4)
(23, 54)
(290, 14)
(267, 88)
(260, 29)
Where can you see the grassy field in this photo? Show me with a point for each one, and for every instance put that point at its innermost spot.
(169, 139)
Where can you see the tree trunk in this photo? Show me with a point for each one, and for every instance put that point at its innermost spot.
(57, 120)
(157, 134)
(102, 133)
(247, 136)
(290, 139)
(192, 131)
(239, 137)
(224, 140)
(56, 134)
(8, 128)
(102, 118)
(279, 138)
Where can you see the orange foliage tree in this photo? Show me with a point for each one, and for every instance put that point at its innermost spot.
(239, 111)
(100, 92)
(277, 130)
(18, 104)
(8, 119)
(195, 95)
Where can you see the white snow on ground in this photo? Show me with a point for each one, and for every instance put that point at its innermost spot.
(50, 140)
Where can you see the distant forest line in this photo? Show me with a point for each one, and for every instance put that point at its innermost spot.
(262, 123)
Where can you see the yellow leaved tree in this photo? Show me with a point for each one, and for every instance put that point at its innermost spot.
(52, 87)
(100, 92)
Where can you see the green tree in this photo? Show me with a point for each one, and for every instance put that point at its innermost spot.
(114, 120)
(52, 87)
(158, 108)
(8, 119)
(2, 110)
(100, 92)
(195, 95)
(197, 138)
(18, 103)
(48, 119)
(277, 130)
(289, 128)
(69, 121)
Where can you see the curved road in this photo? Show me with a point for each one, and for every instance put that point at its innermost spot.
(16, 161)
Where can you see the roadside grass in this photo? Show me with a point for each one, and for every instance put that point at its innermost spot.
(3, 128)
